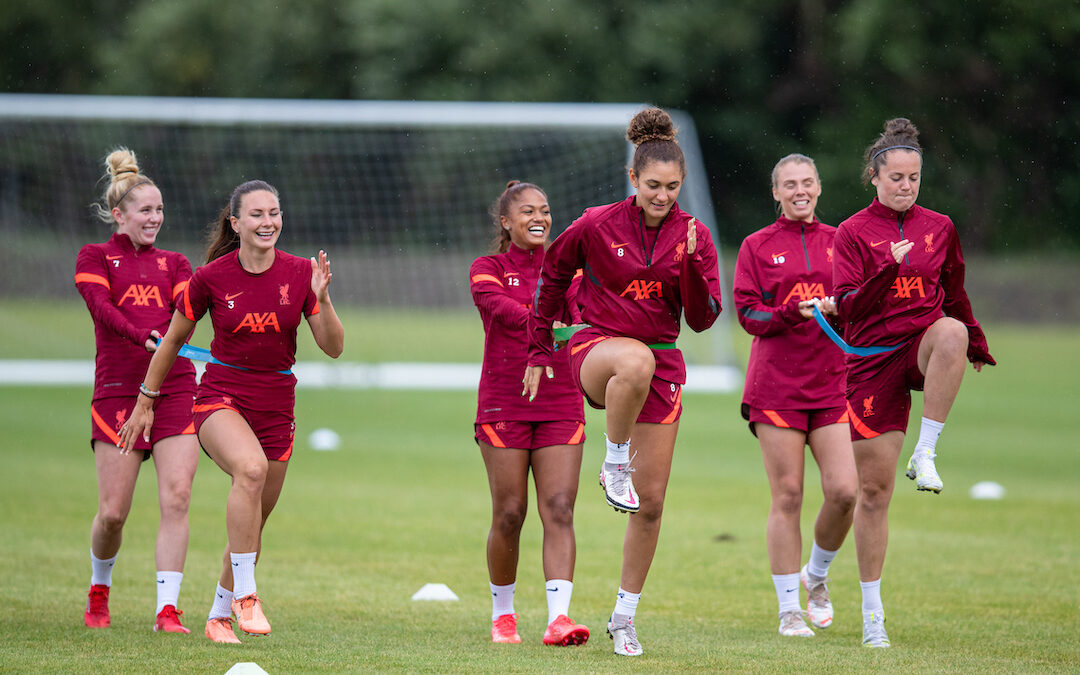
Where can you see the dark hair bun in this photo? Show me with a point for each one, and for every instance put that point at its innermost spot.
(651, 124)
(901, 126)
(512, 183)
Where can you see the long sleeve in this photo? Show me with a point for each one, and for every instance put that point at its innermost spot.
(856, 296)
(92, 281)
(699, 283)
(755, 315)
(958, 306)
(488, 292)
(561, 262)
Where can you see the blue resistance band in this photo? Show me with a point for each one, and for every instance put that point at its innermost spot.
(845, 347)
(199, 354)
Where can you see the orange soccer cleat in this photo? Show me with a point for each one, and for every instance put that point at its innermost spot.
(504, 629)
(565, 633)
(97, 607)
(249, 615)
(220, 630)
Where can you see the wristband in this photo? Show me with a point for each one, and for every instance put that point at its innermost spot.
(147, 392)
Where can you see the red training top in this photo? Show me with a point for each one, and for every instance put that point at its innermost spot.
(255, 318)
(502, 287)
(793, 364)
(882, 302)
(637, 281)
(129, 293)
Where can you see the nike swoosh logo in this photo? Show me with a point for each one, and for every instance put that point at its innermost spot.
(553, 590)
(236, 564)
(510, 274)
(791, 590)
(877, 243)
(630, 498)
(234, 295)
(614, 245)
(161, 581)
(113, 257)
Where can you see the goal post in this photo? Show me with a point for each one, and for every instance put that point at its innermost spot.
(396, 191)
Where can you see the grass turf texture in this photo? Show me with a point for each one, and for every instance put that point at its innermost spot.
(969, 585)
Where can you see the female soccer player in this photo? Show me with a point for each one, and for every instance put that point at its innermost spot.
(645, 262)
(899, 280)
(256, 296)
(131, 288)
(514, 434)
(794, 394)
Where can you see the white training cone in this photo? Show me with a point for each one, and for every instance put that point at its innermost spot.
(987, 489)
(435, 592)
(324, 439)
(246, 668)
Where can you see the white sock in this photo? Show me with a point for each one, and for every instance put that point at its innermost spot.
(502, 600)
(617, 453)
(168, 589)
(871, 596)
(625, 607)
(243, 574)
(558, 597)
(820, 559)
(101, 570)
(222, 607)
(787, 591)
(929, 432)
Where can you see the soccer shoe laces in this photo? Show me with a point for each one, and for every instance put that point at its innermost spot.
(619, 477)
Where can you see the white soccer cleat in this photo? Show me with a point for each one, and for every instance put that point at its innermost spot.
(818, 606)
(792, 624)
(625, 639)
(921, 469)
(619, 487)
(873, 630)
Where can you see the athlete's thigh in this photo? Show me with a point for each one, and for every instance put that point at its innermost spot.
(652, 447)
(116, 475)
(783, 452)
(556, 470)
(507, 471)
(603, 359)
(175, 459)
(832, 450)
(876, 458)
(229, 440)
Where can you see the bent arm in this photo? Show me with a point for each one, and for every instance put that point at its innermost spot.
(699, 283)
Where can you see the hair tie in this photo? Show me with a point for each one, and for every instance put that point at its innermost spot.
(144, 181)
(895, 147)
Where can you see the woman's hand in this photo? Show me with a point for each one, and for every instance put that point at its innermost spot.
(531, 381)
(900, 249)
(691, 237)
(152, 343)
(140, 423)
(320, 277)
(806, 308)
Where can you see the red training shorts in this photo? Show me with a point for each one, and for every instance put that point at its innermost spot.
(802, 420)
(530, 435)
(663, 404)
(172, 417)
(274, 429)
(879, 390)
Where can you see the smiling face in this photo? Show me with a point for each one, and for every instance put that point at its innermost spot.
(528, 220)
(897, 180)
(658, 187)
(258, 222)
(797, 189)
(140, 215)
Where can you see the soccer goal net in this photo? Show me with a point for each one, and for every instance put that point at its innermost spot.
(396, 192)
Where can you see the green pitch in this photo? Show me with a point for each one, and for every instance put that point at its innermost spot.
(968, 585)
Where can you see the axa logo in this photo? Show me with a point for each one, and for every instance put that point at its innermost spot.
(643, 290)
(929, 239)
(778, 258)
(283, 291)
(804, 290)
(257, 322)
(141, 296)
(905, 286)
(868, 406)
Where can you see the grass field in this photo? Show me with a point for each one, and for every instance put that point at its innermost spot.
(968, 586)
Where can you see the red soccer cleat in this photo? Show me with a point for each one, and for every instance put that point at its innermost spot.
(504, 629)
(220, 630)
(249, 615)
(168, 621)
(97, 607)
(565, 633)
